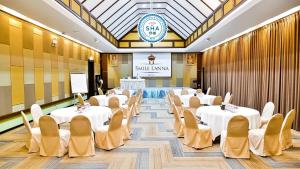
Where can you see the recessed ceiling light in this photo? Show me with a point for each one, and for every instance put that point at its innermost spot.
(96, 40)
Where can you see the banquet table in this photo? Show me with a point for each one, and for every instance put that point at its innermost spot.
(132, 84)
(103, 99)
(96, 114)
(178, 91)
(218, 119)
(204, 99)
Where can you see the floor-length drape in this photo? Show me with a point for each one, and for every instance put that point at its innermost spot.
(258, 67)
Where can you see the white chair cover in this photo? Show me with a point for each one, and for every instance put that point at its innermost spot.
(227, 98)
(267, 113)
(36, 113)
(34, 136)
(208, 91)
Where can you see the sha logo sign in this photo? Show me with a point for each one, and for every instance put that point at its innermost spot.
(152, 28)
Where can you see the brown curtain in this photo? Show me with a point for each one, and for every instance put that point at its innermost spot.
(258, 67)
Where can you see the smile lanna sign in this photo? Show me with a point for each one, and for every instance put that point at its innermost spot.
(152, 28)
(151, 65)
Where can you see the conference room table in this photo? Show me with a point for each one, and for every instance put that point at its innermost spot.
(103, 99)
(178, 91)
(119, 91)
(96, 114)
(217, 119)
(132, 84)
(204, 99)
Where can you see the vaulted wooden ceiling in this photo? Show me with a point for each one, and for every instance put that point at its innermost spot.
(121, 16)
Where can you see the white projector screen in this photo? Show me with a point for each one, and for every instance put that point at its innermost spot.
(78, 83)
(158, 65)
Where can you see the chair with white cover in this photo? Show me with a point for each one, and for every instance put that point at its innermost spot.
(184, 92)
(36, 112)
(114, 103)
(81, 138)
(126, 123)
(110, 136)
(80, 99)
(138, 103)
(227, 98)
(265, 141)
(196, 135)
(285, 133)
(217, 101)
(267, 113)
(34, 136)
(171, 102)
(234, 141)
(178, 104)
(94, 101)
(126, 92)
(131, 102)
(194, 104)
(100, 92)
(54, 141)
(208, 91)
(178, 123)
(171, 92)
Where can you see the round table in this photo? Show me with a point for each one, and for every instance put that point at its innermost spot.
(103, 99)
(218, 119)
(204, 99)
(178, 91)
(96, 114)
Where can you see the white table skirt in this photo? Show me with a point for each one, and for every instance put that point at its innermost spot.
(204, 99)
(132, 84)
(96, 114)
(103, 99)
(218, 119)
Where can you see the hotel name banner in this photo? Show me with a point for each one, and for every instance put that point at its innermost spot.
(152, 65)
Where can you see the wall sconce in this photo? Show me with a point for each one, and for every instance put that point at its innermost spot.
(91, 58)
(54, 42)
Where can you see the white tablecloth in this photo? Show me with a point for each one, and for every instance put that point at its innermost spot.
(217, 119)
(119, 91)
(132, 84)
(178, 91)
(103, 99)
(204, 99)
(97, 115)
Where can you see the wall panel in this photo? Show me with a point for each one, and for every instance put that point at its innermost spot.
(33, 71)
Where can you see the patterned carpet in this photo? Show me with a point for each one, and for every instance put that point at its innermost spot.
(153, 146)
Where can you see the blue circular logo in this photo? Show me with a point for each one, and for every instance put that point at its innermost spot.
(152, 28)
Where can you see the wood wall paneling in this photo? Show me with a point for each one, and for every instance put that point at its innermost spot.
(31, 69)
